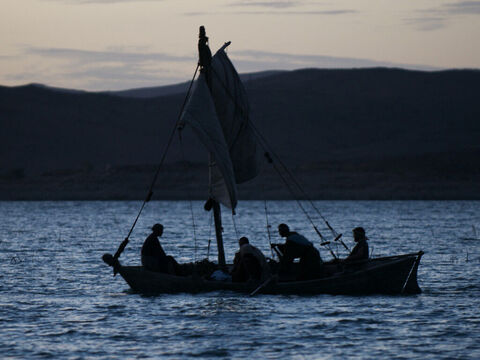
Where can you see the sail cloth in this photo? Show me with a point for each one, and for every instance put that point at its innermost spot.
(200, 114)
(233, 111)
(219, 114)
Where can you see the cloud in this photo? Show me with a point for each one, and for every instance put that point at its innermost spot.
(253, 60)
(112, 69)
(117, 55)
(463, 7)
(318, 12)
(276, 13)
(8, 57)
(439, 17)
(124, 68)
(274, 8)
(122, 76)
(270, 4)
(427, 23)
(79, 2)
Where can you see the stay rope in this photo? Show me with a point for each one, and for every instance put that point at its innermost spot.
(162, 159)
(209, 235)
(235, 225)
(263, 142)
(299, 203)
(189, 196)
(268, 224)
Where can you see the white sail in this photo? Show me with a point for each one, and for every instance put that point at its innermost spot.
(200, 114)
(219, 114)
(233, 111)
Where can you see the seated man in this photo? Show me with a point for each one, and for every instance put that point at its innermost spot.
(249, 263)
(297, 246)
(360, 251)
(153, 256)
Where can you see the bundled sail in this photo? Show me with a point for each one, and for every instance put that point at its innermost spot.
(233, 110)
(201, 115)
(218, 112)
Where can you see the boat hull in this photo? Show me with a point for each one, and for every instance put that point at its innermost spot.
(388, 275)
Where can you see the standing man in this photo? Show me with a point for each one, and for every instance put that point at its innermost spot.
(153, 256)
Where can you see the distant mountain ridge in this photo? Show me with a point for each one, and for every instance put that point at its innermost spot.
(314, 119)
(152, 91)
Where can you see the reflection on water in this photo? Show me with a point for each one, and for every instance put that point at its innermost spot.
(59, 300)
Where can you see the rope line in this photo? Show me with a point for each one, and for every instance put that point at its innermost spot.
(235, 226)
(267, 148)
(209, 235)
(263, 142)
(182, 150)
(150, 191)
(268, 224)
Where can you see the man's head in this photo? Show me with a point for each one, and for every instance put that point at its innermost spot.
(283, 230)
(157, 229)
(242, 241)
(359, 234)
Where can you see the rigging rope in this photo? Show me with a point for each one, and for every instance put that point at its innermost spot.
(150, 191)
(267, 148)
(235, 226)
(268, 224)
(188, 195)
(209, 235)
(263, 142)
(298, 202)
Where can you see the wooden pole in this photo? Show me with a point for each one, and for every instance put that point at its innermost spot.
(204, 60)
(217, 216)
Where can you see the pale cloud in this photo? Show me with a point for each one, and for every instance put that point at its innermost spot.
(463, 7)
(252, 60)
(111, 69)
(298, 12)
(118, 69)
(269, 4)
(79, 2)
(427, 23)
(276, 13)
(439, 17)
(275, 7)
(117, 55)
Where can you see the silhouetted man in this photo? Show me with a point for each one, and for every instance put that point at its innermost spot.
(249, 263)
(153, 256)
(360, 251)
(297, 246)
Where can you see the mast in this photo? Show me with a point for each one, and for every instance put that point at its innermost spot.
(204, 60)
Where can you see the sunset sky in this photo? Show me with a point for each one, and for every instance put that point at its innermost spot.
(121, 44)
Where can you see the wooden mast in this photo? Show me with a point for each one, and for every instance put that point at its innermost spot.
(204, 60)
(217, 216)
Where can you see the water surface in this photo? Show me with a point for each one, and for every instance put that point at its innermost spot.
(59, 300)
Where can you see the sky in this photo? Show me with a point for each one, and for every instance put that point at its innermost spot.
(122, 44)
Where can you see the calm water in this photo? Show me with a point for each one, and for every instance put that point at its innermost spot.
(59, 300)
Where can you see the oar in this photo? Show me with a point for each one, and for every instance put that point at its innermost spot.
(261, 286)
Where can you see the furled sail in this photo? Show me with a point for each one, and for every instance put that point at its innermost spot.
(218, 111)
(201, 115)
(233, 111)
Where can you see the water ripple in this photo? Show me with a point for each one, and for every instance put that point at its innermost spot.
(58, 300)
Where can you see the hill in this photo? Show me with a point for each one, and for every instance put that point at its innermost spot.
(358, 133)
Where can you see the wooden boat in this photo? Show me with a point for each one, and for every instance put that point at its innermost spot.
(218, 113)
(384, 275)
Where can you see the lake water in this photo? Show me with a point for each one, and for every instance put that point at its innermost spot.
(59, 300)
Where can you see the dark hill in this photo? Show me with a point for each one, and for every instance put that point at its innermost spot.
(366, 133)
